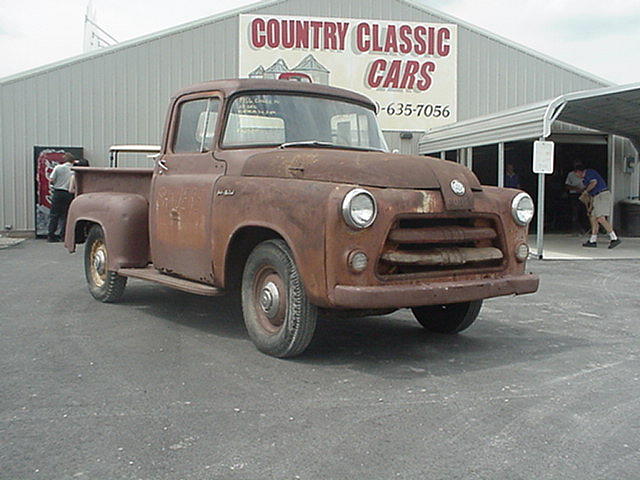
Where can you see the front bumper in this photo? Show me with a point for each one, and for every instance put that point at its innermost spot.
(434, 293)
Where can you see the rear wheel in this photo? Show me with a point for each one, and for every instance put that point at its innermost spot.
(277, 313)
(451, 318)
(104, 285)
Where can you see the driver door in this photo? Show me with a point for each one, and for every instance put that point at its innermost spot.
(182, 190)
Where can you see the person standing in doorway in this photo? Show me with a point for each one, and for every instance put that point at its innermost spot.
(60, 180)
(597, 188)
(511, 178)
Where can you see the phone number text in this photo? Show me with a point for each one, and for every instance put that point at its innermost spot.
(416, 109)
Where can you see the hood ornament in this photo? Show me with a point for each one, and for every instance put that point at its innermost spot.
(458, 187)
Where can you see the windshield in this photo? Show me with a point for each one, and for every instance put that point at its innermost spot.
(297, 120)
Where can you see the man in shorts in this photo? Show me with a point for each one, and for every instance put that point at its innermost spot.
(597, 188)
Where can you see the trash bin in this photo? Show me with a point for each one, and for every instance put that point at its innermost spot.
(630, 216)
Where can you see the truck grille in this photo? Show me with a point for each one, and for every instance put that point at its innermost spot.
(438, 246)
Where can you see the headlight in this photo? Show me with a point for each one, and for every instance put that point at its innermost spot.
(359, 208)
(522, 209)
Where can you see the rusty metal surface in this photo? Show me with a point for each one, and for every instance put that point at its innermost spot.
(209, 206)
(151, 274)
(434, 293)
(307, 216)
(450, 234)
(121, 180)
(181, 211)
(444, 256)
(492, 204)
(124, 218)
(294, 210)
(362, 168)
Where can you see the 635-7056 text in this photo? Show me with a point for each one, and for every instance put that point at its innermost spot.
(416, 109)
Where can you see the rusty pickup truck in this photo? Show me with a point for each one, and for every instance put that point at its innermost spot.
(287, 191)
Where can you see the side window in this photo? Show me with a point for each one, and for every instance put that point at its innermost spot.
(196, 126)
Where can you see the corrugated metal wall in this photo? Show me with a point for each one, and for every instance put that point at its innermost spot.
(120, 96)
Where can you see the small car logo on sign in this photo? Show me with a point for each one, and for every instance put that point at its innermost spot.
(458, 187)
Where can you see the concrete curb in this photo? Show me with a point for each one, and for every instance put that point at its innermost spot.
(6, 242)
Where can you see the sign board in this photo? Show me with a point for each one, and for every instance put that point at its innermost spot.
(542, 157)
(409, 69)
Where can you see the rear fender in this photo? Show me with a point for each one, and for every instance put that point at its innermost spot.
(124, 218)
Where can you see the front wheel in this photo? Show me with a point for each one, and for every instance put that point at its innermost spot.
(451, 318)
(104, 285)
(277, 313)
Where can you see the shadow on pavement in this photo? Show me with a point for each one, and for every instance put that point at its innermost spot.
(393, 346)
(216, 315)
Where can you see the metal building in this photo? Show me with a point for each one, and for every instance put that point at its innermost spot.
(119, 95)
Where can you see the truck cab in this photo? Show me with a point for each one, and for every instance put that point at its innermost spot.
(287, 191)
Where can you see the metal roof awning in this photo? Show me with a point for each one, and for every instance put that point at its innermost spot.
(613, 110)
(609, 110)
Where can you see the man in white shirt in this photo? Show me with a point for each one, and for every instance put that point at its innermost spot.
(60, 180)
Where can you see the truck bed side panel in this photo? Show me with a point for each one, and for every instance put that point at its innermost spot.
(121, 180)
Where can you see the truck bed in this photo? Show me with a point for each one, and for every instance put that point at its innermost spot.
(122, 180)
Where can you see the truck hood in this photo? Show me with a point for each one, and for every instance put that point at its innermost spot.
(374, 169)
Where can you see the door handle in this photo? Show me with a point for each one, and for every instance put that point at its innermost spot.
(163, 165)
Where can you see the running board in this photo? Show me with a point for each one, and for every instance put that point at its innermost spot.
(152, 275)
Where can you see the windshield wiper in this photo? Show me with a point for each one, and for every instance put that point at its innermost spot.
(307, 143)
(318, 143)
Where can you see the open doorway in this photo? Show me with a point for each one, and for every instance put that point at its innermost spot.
(595, 156)
(485, 164)
(558, 208)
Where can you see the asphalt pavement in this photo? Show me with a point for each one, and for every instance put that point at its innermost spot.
(166, 385)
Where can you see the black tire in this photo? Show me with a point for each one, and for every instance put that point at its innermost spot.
(451, 318)
(277, 313)
(105, 286)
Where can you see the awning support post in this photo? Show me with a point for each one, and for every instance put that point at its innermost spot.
(501, 164)
(540, 226)
(540, 218)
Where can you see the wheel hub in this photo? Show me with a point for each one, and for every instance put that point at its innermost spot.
(270, 300)
(99, 262)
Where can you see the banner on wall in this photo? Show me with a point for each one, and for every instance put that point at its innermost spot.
(45, 159)
(409, 69)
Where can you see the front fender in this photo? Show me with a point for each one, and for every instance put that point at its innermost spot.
(294, 209)
(124, 218)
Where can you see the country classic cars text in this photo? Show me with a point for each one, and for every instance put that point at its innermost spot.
(406, 54)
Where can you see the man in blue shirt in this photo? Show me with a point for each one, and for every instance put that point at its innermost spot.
(597, 188)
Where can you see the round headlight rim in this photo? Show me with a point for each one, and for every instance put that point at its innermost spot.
(514, 208)
(346, 208)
